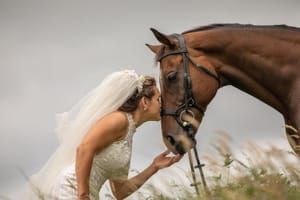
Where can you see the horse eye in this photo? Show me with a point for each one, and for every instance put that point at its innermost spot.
(172, 76)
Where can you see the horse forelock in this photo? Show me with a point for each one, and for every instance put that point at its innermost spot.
(241, 26)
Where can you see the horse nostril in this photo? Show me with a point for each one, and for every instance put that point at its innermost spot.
(180, 148)
(170, 139)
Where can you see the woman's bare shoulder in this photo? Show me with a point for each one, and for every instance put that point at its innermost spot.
(108, 129)
(117, 120)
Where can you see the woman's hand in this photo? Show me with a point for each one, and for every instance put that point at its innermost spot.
(163, 160)
(127, 187)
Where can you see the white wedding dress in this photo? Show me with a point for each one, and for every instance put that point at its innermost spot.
(111, 163)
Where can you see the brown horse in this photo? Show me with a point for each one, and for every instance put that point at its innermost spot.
(263, 61)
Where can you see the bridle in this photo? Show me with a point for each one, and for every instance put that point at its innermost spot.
(189, 103)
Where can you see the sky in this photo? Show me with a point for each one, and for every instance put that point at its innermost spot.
(53, 52)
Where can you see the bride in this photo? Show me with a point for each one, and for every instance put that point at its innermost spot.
(96, 142)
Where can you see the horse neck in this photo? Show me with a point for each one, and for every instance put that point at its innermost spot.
(257, 62)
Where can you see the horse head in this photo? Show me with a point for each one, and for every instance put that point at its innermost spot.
(186, 86)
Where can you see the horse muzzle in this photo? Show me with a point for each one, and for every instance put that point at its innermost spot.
(180, 143)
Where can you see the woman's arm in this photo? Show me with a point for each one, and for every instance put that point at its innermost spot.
(124, 187)
(109, 129)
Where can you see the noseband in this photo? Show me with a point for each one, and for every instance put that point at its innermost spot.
(189, 101)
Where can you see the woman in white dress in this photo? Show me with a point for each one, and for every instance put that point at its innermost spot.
(96, 141)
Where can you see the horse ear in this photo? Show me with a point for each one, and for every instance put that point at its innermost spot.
(164, 39)
(154, 48)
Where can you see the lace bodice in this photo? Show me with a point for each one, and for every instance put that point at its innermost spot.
(111, 163)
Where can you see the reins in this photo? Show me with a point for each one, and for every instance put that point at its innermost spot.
(189, 102)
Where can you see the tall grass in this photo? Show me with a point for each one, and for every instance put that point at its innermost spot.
(256, 173)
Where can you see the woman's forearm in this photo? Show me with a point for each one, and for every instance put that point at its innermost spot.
(142, 177)
(131, 185)
(84, 159)
(122, 189)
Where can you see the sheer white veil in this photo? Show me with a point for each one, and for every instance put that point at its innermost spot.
(112, 92)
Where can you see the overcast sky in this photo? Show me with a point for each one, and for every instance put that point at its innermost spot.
(53, 52)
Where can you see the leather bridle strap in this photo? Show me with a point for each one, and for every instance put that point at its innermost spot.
(189, 101)
(200, 67)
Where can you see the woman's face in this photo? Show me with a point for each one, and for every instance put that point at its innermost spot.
(154, 106)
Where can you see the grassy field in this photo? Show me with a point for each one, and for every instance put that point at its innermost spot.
(258, 173)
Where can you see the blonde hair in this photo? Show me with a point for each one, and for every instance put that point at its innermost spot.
(148, 91)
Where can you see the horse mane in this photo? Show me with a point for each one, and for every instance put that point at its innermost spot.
(241, 26)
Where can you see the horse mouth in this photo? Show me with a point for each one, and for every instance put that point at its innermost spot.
(181, 144)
